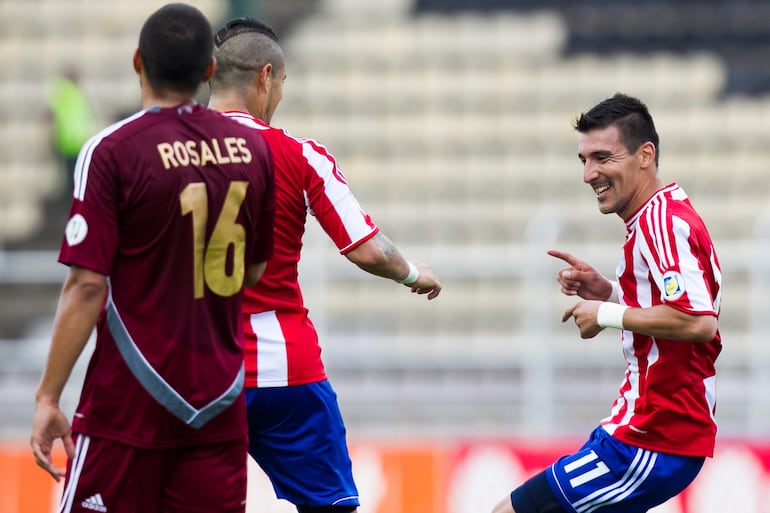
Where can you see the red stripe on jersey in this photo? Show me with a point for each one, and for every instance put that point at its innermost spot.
(666, 402)
(281, 343)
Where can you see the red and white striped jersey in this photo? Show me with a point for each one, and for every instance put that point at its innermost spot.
(667, 399)
(281, 345)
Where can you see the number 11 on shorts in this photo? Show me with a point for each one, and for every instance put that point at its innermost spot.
(586, 468)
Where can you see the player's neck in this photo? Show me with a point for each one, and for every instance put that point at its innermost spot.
(166, 99)
(226, 104)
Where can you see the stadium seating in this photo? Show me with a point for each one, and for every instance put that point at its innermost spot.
(452, 121)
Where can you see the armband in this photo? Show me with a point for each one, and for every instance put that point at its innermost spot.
(615, 294)
(412, 276)
(610, 315)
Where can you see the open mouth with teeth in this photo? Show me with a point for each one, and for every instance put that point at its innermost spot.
(598, 189)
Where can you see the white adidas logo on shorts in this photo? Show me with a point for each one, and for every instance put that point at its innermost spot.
(95, 503)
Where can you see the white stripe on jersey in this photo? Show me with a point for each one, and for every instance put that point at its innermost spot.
(656, 227)
(694, 283)
(630, 396)
(718, 277)
(654, 217)
(80, 178)
(641, 252)
(338, 193)
(641, 466)
(81, 450)
(272, 359)
(710, 385)
(246, 119)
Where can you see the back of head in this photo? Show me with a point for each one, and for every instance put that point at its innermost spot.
(242, 47)
(629, 114)
(175, 45)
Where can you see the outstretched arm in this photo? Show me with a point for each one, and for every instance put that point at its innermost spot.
(80, 304)
(378, 256)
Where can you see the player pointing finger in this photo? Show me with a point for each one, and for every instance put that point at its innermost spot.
(665, 305)
(580, 279)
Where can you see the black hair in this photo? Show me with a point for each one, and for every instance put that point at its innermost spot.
(175, 45)
(243, 25)
(629, 114)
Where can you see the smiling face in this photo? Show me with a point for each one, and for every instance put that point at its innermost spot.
(622, 181)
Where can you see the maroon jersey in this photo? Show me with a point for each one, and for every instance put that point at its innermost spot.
(171, 205)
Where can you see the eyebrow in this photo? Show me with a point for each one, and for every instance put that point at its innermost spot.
(598, 153)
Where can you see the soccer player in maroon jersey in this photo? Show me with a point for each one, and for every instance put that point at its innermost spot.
(172, 212)
(665, 303)
(297, 435)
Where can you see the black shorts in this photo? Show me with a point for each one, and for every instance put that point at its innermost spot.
(536, 496)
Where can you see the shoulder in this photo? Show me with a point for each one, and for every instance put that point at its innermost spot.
(305, 148)
(679, 206)
(668, 201)
(671, 215)
(118, 131)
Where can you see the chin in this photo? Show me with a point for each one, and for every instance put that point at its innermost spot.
(606, 209)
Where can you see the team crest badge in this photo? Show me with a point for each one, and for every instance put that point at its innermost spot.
(673, 286)
(76, 230)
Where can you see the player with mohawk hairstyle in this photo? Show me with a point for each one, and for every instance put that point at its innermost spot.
(296, 431)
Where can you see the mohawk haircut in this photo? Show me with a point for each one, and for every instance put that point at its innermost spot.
(242, 25)
(242, 47)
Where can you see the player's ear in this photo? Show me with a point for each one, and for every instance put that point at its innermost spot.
(137, 61)
(646, 154)
(210, 70)
(264, 76)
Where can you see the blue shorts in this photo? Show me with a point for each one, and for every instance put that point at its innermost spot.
(296, 435)
(609, 476)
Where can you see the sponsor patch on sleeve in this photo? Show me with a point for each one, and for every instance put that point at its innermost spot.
(76, 230)
(673, 286)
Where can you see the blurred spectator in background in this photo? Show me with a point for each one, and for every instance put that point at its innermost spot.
(71, 122)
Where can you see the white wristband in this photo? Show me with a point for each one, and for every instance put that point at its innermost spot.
(615, 294)
(412, 276)
(610, 315)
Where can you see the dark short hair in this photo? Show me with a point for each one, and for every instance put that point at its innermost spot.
(176, 44)
(629, 114)
(242, 25)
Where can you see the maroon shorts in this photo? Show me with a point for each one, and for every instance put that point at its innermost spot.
(108, 477)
